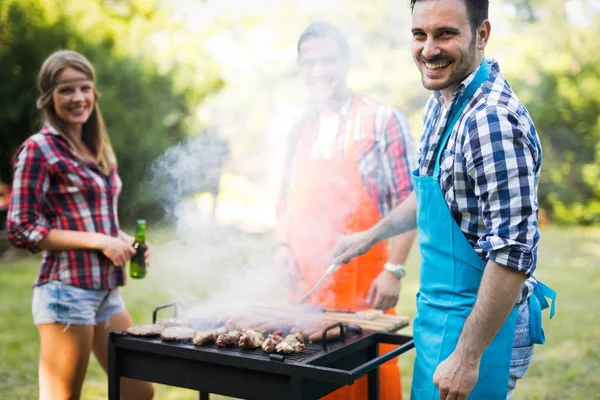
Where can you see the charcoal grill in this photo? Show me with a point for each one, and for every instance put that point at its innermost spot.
(253, 374)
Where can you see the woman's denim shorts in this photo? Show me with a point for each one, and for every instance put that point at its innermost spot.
(58, 302)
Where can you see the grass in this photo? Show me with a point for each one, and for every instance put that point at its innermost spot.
(567, 367)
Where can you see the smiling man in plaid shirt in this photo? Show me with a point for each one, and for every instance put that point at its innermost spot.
(475, 204)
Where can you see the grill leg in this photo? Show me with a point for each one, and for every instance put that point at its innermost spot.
(296, 388)
(373, 379)
(114, 381)
(204, 396)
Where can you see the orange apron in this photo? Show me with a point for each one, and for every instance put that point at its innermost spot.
(329, 200)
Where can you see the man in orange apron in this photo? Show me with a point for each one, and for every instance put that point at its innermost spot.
(348, 163)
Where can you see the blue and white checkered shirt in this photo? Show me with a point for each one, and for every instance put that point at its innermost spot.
(489, 173)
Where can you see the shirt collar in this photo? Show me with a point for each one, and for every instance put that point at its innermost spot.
(346, 108)
(463, 85)
(49, 129)
(313, 113)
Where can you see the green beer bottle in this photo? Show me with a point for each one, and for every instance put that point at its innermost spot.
(137, 268)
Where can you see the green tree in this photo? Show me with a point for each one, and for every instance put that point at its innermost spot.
(558, 78)
(145, 110)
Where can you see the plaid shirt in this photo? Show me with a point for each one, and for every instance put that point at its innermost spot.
(54, 188)
(489, 172)
(383, 145)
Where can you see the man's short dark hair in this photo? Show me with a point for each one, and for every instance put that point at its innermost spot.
(477, 9)
(325, 30)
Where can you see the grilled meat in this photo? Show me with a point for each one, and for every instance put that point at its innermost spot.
(291, 344)
(307, 333)
(271, 342)
(269, 327)
(149, 330)
(251, 339)
(230, 338)
(251, 323)
(207, 337)
(332, 334)
(204, 337)
(177, 334)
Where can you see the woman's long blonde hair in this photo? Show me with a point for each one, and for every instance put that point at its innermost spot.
(95, 135)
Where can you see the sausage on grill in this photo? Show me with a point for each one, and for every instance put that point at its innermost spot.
(332, 334)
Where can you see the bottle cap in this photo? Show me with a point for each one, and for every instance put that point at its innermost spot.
(141, 222)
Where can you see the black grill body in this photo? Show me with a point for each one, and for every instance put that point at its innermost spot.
(252, 374)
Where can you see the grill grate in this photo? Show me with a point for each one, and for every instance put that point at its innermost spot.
(310, 351)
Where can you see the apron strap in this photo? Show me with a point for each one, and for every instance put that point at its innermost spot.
(457, 109)
(349, 145)
(541, 292)
(537, 303)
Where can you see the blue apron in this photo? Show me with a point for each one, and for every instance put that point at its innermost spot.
(451, 273)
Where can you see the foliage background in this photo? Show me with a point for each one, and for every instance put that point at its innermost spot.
(173, 69)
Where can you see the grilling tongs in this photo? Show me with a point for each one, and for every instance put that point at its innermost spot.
(330, 270)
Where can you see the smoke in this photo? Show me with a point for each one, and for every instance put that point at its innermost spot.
(203, 264)
(186, 169)
(211, 268)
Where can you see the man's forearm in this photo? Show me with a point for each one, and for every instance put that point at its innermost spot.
(400, 246)
(282, 229)
(401, 219)
(499, 291)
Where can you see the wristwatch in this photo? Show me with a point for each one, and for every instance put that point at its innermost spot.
(397, 269)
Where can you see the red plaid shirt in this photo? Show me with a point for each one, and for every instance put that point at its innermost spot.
(384, 147)
(54, 188)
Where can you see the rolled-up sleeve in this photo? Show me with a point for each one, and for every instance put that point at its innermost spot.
(27, 224)
(503, 162)
(398, 159)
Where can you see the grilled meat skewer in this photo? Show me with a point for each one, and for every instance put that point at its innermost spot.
(230, 338)
(271, 342)
(291, 344)
(251, 339)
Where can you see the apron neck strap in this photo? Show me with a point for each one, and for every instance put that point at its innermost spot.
(349, 145)
(457, 108)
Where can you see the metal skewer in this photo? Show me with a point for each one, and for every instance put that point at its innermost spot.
(330, 270)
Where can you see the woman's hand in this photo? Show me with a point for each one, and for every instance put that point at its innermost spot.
(130, 240)
(117, 250)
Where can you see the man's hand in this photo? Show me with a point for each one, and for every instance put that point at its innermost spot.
(384, 291)
(456, 377)
(351, 246)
